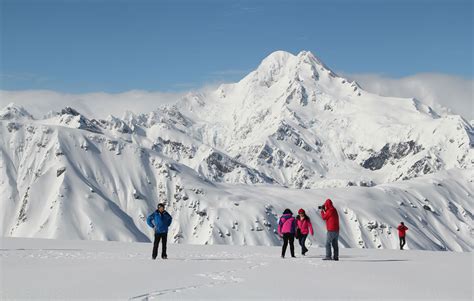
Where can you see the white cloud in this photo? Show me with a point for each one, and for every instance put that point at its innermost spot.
(444, 93)
(97, 105)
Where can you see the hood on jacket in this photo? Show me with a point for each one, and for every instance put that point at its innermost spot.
(328, 204)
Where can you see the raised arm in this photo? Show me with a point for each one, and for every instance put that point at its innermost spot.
(325, 214)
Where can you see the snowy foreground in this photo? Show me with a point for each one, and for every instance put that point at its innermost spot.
(37, 268)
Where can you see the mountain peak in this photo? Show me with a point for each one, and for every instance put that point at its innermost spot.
(72, 118)
(69, 111)
(13, 111)
(278, 57)
(283, 65)
(282, 58)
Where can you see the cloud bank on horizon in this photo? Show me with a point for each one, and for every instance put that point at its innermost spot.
(97, 105)
(446, 94)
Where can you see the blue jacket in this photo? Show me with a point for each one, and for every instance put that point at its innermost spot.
(159, 221)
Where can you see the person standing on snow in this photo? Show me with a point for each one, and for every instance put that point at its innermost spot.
(401, 234)
(329, 214)
(160, 220)
(286, 229)
(303, 228)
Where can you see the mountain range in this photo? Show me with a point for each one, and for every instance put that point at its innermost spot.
(227, 162)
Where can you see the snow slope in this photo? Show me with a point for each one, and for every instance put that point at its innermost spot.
(290, 134)
(47, 269)
(305, 127)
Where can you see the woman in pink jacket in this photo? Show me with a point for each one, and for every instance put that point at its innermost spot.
(303, 228)
(286, 229)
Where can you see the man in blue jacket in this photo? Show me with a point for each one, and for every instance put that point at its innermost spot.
(160, 220)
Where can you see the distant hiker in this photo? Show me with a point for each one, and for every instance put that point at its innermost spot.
(160, 220)
(286, 229)
(401, 234)
(329, 214)
(303, 228)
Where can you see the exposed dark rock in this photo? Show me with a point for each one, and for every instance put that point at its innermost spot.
(221, 164)
(84, 123)
(266, 154)
(328, 107)
(390, 152)
(22, 214)
(423, 166)
(60, 171)
(352, 156)
(377, 161)
(174, 148)
(428, 208)
(69, 111)
(298, 93)
(287, 133)
(201, 213)
(12, 126)
(117, 124)
(13, 111)
(175, 116)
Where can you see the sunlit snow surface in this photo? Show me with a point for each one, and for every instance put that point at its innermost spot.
(36, 268)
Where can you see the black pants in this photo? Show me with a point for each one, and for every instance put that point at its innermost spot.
(302, 241)
(402, 242)
(163, 237)
(288, 237)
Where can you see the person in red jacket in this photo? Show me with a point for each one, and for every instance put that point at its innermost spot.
(303, 228)
(329, 214)
(401, 234)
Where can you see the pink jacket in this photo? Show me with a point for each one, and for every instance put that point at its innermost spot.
(286, 224)
(304, 225)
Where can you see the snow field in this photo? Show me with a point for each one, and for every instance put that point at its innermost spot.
(46, 269)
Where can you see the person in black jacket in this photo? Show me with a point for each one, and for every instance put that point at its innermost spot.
(160, 220)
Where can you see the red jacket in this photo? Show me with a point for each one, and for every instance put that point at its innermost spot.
(330, 216)
(401, 230)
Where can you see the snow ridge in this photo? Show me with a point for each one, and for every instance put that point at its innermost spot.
(227, 162)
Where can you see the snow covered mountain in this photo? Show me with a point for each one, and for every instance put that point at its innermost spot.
(289, 134)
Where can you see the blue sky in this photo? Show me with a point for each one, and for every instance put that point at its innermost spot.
(113, 46)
